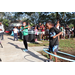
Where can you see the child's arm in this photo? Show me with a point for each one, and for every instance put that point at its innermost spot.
(26, 27)
(57, 34)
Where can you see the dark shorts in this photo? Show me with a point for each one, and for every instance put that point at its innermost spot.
(53, 49)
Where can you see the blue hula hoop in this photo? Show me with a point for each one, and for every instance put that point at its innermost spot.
(45, 50)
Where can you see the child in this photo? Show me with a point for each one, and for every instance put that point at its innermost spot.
(53, 39)
(36, 31)
(15, 30)
(25, 35)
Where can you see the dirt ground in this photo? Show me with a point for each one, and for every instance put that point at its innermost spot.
(72, 52)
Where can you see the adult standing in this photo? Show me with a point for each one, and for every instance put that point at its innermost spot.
(57, 26)
(25, 35)
(61, 28)
(1, 30)
(39, 29)
(43, 31)
(68, 31)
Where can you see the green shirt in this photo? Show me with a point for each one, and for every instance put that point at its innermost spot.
(25, 31)
(61, 28)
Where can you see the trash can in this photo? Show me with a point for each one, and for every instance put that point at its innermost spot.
(20, 34)
(31, 37)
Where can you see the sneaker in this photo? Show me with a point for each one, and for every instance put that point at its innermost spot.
(50, 60)
(25, 50)
(46, 60)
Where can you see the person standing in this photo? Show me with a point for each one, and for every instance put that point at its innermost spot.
(1, 30)
(25, 35)
(43, 31)
(61, 28)
(36, 32)
(15, 30)
(68, 32)
(57, 26)
(53, 39)
(39, 29)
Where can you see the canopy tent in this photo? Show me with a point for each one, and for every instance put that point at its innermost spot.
(15, 24)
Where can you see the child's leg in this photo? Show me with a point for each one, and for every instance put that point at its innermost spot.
(14, 36)
(55, 49)
(55, 57)
(17, 37)
(50, 55)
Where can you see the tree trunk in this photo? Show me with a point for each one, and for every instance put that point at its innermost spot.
(57, 16)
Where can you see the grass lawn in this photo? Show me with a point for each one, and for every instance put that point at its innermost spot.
(67, 45)
(44, 43)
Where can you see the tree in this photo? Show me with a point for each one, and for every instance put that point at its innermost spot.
(5, 23)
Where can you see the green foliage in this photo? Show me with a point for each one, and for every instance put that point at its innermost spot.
(71, 25)
(31, 24)
(5, 22)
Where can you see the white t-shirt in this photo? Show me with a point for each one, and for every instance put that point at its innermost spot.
(2, 27)
(15, 30)
(58, 27)
(64, 31)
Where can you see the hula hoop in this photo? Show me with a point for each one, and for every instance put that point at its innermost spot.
(32, 32)
(45, 50)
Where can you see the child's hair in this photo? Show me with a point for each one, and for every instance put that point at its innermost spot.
(26, 23)
(49, 22)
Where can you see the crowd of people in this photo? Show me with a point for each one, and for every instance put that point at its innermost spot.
(42, 32)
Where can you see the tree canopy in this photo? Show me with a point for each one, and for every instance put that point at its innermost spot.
(36, 17)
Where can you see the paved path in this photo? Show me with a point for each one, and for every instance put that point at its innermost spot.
(12, 52)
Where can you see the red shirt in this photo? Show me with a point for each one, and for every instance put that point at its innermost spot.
(42, 28)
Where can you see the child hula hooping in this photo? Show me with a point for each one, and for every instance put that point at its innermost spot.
(25, 35)
(53, 38)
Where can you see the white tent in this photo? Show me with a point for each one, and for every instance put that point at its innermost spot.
(15, 24)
